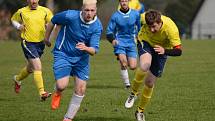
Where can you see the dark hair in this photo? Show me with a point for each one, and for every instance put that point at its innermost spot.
(152, 16)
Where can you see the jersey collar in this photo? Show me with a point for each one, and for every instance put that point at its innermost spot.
(125, 13)
(90, 22)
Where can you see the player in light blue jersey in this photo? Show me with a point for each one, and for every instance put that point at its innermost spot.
(122, 31)
(78, 38)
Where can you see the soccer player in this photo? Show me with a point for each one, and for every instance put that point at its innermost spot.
(136, 5)
(30, 21)
(122, 32)
(78, 38)
(158, 38)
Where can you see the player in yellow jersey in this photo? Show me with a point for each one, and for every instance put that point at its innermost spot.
(157, 39)
(31, 21)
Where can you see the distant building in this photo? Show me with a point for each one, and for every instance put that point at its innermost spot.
(203, 21)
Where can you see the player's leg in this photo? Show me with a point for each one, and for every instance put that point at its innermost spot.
(145, 63)
(124, 71)
(62, 71)
(38, 78)
(131, 53)
(81, 75)
(145, 95)
(24, 72)
(33, 53)
(61, 84)
(156, 69)
(145, 59)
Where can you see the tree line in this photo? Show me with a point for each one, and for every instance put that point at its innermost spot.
(181, 11)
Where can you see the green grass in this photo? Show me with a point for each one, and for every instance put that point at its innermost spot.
(186, 92)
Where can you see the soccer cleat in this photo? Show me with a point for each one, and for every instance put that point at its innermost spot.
(127, 86)
(45, 95)
(139, 116)
(55, 101)
(130, 101)
(17, 84)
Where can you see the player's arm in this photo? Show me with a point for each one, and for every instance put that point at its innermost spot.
(175, 42)
(58, 19)
(93, 47)
(82, 46)
(176, 51)
(138, 23)
(49, 15)
(16, 19)
(49, 29)
(110, 32)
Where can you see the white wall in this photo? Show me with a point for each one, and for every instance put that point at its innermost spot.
(203, 27)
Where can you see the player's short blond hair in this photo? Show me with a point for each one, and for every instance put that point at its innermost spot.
(89, 2)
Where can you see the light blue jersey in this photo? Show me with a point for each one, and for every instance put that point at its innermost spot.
(75, 30)
(68, 60)
(124, 27)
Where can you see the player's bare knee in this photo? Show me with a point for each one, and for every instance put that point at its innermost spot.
(133, 67)
(145, 67)
(124, 64)
(80, 91)
(30, 70)
(149, 82)
(37, 68)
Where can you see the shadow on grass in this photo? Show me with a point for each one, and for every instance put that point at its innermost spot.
(104, 86)
(101, 87)
(100, 119)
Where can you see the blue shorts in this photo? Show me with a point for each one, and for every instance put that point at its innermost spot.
(70, 66)
(158, 61)
(129, 51)
(32, 49)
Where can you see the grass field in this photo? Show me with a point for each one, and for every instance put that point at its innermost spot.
(186, 92)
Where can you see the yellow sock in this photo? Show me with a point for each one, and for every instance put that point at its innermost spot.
(137, 81)
(145, 98)
(38, 79)
(22, 74)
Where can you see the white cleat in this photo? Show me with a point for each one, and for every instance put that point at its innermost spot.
(130, 101)
(139, 116)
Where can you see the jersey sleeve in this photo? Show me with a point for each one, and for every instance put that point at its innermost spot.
(95, 38)
(111, 28)
(138, 22)
(17, 16)
(49, 15)
(60, 18)
(173, 35)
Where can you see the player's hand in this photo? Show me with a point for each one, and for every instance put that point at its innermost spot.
(47, 43)
(115, 42)
(81, 46)
(159, 49)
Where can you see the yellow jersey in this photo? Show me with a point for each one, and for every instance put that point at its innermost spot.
(167, 36)
(133, 4)
(34, 22)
